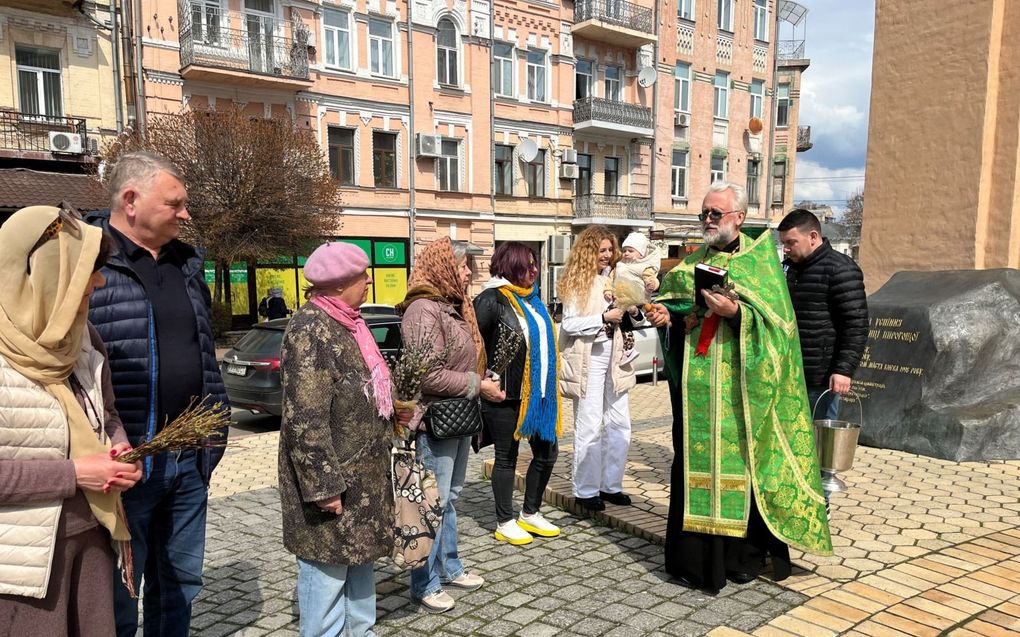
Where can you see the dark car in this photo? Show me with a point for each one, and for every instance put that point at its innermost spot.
(251, 370)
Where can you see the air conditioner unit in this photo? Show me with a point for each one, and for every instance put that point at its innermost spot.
(429, 145)
(681, 119)
(65, 143)
(554, 278)
(559, 248)
(569, 156)
(568, 171)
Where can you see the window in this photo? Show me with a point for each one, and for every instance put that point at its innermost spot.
(504, 69)
(205, 21)
(722, 94)
(685, 9)
(583, 79)
(761, 20)
(757, 97)
(583, 174)
(779, 182)
(341, 155)
(678, 186)
(718, 169)
(384, 159)
(504, 174)
(682, 82)
(39, 82)
(380, 46)
(725, 14)
(613, 83)
(446, 52)
(449, 166)
(753, 177)
(535, 176)
(783, 106)
(338, 38)
(612, 176)
(536, 76)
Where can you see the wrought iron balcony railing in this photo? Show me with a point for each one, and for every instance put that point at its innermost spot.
(31, 132)
(602, 110)
(612, 207)
(804, 138)
(790, 49)
(616, 12)
(256, 49)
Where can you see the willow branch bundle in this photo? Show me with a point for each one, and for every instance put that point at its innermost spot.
(418, 359)
(191, 430)
(629, 293)
(508, 343)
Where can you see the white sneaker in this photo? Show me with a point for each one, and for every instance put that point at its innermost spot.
(511, 533)
(438, 602)
(538, 525)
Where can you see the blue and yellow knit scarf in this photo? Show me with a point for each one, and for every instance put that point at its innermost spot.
(538, 416)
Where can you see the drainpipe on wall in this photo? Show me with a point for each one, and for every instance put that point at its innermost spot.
(774, 110)
(139, 81)
(411, 151)
(115, 45)
(655, 119)
(492, 117)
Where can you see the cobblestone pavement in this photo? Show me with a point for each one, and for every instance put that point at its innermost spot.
(923, 547)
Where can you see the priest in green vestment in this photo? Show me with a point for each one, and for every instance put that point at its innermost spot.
(745, 484)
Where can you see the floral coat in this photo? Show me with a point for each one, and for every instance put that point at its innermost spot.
(332, 442)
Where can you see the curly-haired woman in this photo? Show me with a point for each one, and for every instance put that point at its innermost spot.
(592, 371)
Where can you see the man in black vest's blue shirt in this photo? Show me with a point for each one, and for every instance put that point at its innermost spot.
(155, 318)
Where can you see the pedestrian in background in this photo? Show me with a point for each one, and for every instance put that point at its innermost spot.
(591, 373)
(274, 306)
(438, 309)
(532, 409)
(335, 494)
(64, 534)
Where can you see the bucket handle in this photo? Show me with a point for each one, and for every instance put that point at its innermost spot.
(860, 408)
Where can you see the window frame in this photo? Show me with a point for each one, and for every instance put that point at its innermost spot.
(337, 174)
(725, 10)
(535, 175)
(691, 11)
(682, 86)
(753, 181)
(40, 89)
(446, 51)
(613, 86)
(678, 174)
(539, 70)
(716, 174)
(584, 174)
(204, 29)
(376, 47)
(448, 167)
(757, 98)
(589, 84)
(606, 172)
(503, 170)
(331, 34)
(509, 70)
(779, 170)
(721, 95)
(761, 20)
(783, 105)
(379, 157)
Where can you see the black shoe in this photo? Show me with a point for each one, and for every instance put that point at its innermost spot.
(686, 583)
(740, 578)
(620, 498)
(591, 504)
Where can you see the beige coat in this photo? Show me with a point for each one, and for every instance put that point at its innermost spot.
(575, 346)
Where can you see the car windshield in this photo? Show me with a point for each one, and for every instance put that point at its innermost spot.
(260, 341)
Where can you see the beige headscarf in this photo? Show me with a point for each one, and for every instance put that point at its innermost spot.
(46, 262)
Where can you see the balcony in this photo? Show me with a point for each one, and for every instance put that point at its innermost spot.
(804, 138)
(614, 22)
(611, 118)
(28, 136)
(614, 210)
(255, 56)
(790, 50)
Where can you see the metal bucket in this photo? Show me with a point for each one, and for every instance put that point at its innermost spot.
(836, 440)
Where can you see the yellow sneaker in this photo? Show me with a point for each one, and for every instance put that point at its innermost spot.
(511, 533)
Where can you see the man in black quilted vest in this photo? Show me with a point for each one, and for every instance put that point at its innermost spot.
(155, 320)
(827, 289)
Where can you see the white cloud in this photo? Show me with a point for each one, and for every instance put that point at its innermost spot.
(831, 186)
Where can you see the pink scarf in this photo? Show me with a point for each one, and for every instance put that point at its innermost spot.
(350, 318)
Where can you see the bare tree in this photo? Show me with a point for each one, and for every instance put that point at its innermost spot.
(257, 188)
(853, 217)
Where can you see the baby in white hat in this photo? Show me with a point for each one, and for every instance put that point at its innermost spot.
(640, 263)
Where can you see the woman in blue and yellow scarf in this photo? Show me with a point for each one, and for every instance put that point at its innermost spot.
(509, 307)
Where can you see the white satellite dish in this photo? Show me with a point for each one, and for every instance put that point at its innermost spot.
(647, 76)
(527, 150)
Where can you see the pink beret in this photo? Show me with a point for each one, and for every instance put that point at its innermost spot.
(335, 263)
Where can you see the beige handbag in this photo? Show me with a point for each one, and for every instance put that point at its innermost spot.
(417, 512)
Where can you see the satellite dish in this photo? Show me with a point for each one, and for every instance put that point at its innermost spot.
(755, 126)
(528, 150)
(647, 76)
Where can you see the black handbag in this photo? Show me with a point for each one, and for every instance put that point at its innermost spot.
(454, 418)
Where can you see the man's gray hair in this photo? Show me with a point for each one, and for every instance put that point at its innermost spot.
(739, 194)
(138, 168)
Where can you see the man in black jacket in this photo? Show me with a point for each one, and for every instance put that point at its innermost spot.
(827, 289)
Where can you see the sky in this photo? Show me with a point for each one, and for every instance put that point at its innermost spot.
(835, 94)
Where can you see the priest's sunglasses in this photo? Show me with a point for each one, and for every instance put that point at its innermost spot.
(715, 215)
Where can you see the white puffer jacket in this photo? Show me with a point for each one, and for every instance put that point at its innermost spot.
(33, 426)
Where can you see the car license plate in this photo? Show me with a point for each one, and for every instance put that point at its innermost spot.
(237, 370)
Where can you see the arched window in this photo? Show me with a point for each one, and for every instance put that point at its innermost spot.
(446, 52)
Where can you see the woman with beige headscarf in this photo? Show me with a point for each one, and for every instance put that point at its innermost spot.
(60, 512)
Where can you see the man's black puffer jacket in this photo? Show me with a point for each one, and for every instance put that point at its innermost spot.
(827, 290)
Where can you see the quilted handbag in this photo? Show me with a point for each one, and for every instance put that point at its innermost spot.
(454, 418)
(417, 512)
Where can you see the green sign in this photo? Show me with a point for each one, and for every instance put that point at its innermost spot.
(364, 244)
(389, 253)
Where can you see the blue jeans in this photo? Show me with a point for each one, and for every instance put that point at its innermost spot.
(336, 599)
(828, 408)
(448, 460)
(166, 515)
